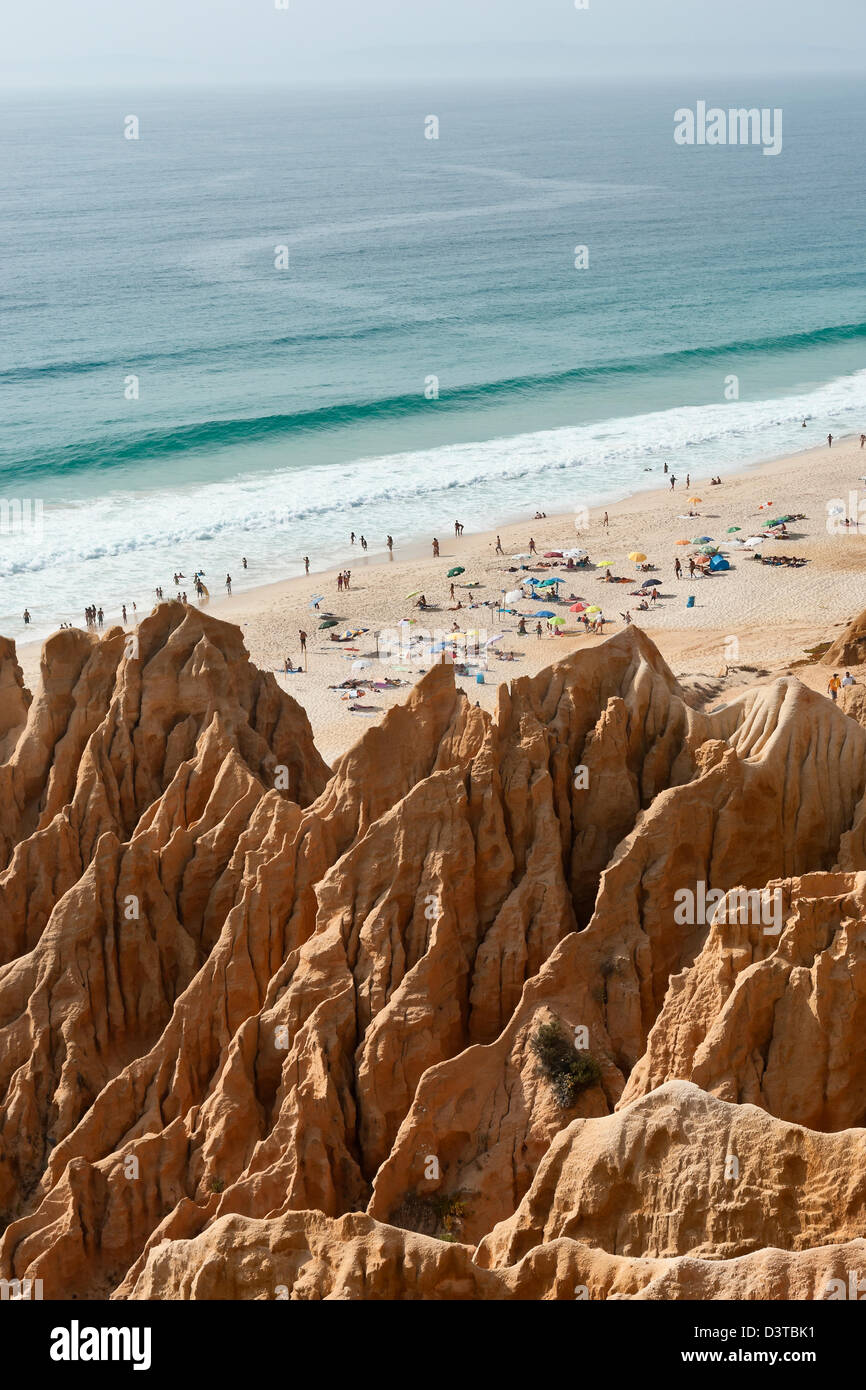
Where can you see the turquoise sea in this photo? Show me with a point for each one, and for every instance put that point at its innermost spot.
(278, 409)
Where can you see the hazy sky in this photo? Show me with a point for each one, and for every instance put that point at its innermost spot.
(106, 41)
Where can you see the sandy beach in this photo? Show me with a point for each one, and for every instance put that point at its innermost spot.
(751, 616)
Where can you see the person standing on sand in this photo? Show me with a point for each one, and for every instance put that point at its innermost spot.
(829, 441)
(532, 549)
(678, 569)
(101, 617)
(435, 549)
(306, 564)
(862, 440)
(499, 550)
(833, 686)
(339, 583)
(692, 568)
(605, 522)
(229, 585)
(452, 590)
(347, 575)
(303, 639)
(673, 482)
(538, 629)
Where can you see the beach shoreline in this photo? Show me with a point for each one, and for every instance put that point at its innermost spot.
(761, 610)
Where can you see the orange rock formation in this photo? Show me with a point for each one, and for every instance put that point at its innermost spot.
(451, 1020)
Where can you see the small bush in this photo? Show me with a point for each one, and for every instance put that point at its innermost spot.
(435, 1214)
(568, 1071)
(217, 1184)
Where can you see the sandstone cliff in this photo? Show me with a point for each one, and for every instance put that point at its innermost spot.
(429, 1024)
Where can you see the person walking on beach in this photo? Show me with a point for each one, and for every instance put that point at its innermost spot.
(538, 629)
(833, 686)
(499, 550)
(306, 564)
(532, 549)
(339, 583)
(347, 575)
(229, 585)
(452, 590)
(655, 595)
(692, 568)
(123, 611)
(303, 640)
(678, 569)
(829, 441)
(605, 522)
(435, 549)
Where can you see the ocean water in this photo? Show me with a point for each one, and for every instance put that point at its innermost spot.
(278, 409)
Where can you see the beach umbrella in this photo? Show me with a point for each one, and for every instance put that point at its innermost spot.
(702, 540)
(545, 613)
(638, 556)
(648, 584)
(414, 593)
(456, 569)
(498, 638)
(731, 529)
(329, 622)
(604, 564)
(696, 499)
(553, 554)
(594, 608)
(360, 665)
(514, 596)
(317, 598)
(577, 608)
(550, 583)
(558, 622)
(521, 557)
(576, 554)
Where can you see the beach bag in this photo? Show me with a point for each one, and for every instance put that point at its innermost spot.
(690, 601)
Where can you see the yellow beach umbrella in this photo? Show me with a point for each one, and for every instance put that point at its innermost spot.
(696, 499)
(594, 609)
(683, 542)
(638, 556)
(604, 564)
